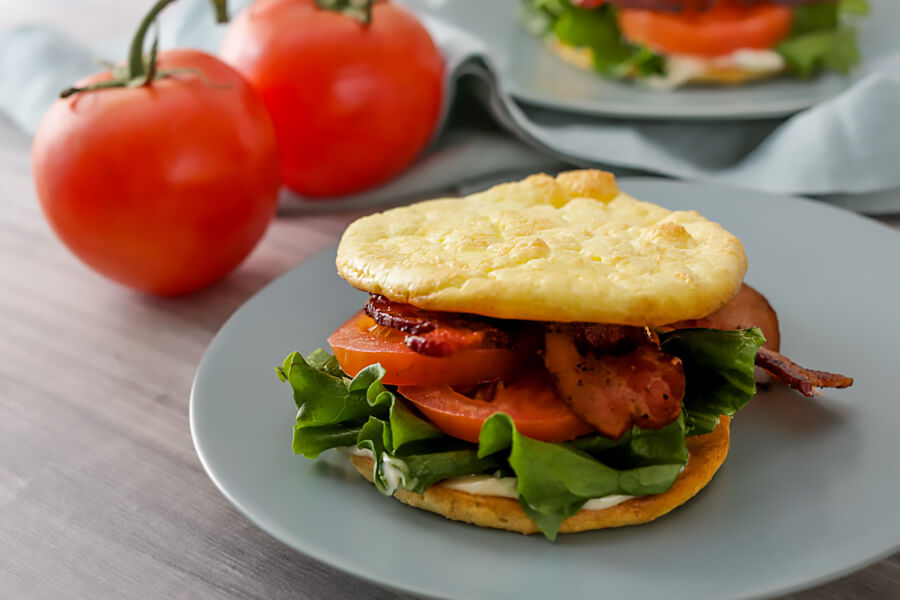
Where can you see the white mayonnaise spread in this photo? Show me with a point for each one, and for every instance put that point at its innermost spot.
(488, 485)
(395, 473)
(393, 469)
(682, 68)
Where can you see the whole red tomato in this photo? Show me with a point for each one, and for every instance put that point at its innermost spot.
(164, 187)
(353, 103)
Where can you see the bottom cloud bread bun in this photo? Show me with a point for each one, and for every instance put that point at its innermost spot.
(707, 453)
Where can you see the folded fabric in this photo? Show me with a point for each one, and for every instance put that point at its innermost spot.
(842, 150)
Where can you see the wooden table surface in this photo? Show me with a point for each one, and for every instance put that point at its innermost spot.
(101, 494)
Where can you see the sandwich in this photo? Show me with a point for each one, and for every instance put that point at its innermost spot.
(670, 43)
(550, 355)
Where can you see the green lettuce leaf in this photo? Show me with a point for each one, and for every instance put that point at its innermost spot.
(538, 16)
(394, 467)
(312, 441)
(854, 7)
(809, 18)
(810, 53)
(335, 411)
(598, 30)
(555, 480)
(820, 39)
(321, 397)
(638, 447)
(718, 369)
(408, 428)
(427, 469)
(322, 361)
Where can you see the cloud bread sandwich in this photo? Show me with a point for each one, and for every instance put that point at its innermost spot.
(549, 356)
(668, 43)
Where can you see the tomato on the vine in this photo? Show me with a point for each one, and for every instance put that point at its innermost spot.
(162, 177)
(353, 102)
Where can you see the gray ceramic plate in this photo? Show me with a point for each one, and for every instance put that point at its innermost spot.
(808, 493)
(531, 73)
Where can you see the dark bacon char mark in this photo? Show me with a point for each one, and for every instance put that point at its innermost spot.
(801, 379)
(436, 333)
(612, 339)
(615, 384)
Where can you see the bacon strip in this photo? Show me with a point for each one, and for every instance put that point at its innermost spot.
(747, 309)
(611, 339)
(642, 387)
(436, 333)
(801, 379)
(751, 309)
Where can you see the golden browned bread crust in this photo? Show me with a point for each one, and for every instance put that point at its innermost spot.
(566, 248)
(707, 452)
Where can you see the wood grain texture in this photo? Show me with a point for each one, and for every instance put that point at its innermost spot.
(101, 494)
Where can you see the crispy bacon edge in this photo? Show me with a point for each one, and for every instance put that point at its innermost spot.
(800, 378)
(437, 334)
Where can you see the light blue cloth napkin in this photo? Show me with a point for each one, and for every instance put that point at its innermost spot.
(844, 150)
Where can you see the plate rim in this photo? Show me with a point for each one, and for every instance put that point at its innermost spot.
(345, 566)
(721, 112)
(625, 110)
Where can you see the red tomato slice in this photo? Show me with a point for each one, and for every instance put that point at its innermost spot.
(361, 342)
(529, 400)
(721, 30)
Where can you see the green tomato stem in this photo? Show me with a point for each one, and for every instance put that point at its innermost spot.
(137, 71)
(221, 8)
(361, 10)
(136, 65)
(112, 83)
